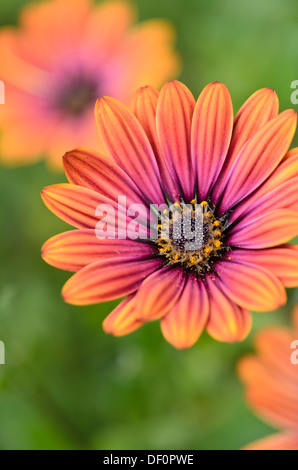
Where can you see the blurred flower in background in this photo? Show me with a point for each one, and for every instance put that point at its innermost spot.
(271, 382)
(64, 55)
(248, 190)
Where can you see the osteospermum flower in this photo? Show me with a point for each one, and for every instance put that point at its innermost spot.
(271, 381)
(64, 55)
(168, 147)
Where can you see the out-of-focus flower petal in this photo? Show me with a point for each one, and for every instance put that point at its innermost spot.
(295, 317)
(147, 56)
(114, 18)
(270, 378)
(281, 441)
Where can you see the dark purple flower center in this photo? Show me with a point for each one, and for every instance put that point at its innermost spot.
(77, 95)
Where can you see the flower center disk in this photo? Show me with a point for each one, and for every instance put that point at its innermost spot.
(77, 96)
(190, 235)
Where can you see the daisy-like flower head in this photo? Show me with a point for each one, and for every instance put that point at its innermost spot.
(65, 54)
(271, 382)
(170, 148)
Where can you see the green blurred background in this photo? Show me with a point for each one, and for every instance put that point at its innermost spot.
(66, 385)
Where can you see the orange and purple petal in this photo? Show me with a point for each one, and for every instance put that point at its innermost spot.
(108, 279)
(76, 249)
(211, 133)
(250, 286)
(123, 319)
(183, 325)
(227, 321)
(126, 141)
(173, 120)
(159, 293)
(260, 108)
(259, 158)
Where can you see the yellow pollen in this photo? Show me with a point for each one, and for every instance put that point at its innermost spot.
(217, 243)
(216, 223)
(204, 203)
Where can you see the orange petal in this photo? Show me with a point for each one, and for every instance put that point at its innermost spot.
(271, 366)
(73, 250)
(78, 206)
(46, 20)
(107, 279)
(259, 158)
(211, 134)
(252, 116)
(277, 407)
(159, 293)
(185, 322)
(250, 286)
(282, 197)
(173, 120)
(272, 344)
(107, 26)
(92, 170)
(29, 76)
(281, 261)
(73, 204)
(227, 322)
(127, 143)
(295, 317)
(281, 441)
(287, 170)
(148, 55)
(122, 320)
(264, 231)
(271, 379)
(144, 105)
(261, 107)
